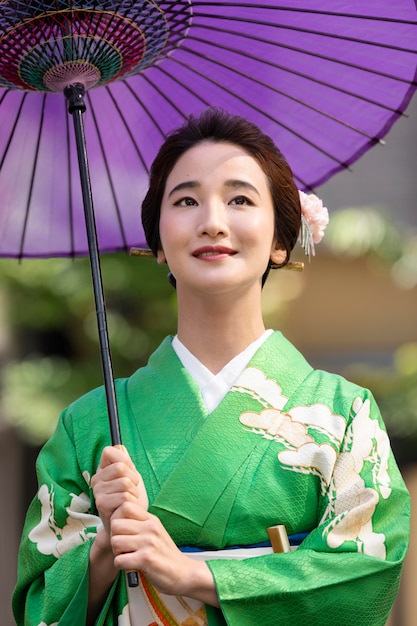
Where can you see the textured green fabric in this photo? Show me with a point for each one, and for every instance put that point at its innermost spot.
(287, 445)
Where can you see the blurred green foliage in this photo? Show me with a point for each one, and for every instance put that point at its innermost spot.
(53, 352)
(368, 231)
(395, 390)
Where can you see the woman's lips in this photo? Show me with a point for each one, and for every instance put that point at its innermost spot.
(213, 252)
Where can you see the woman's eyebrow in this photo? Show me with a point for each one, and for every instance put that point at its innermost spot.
(189, 184)
(236, 183)
(233, 183)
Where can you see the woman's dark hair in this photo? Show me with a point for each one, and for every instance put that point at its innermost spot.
(219, 126)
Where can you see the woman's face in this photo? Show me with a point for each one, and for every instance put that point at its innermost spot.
(217, 220)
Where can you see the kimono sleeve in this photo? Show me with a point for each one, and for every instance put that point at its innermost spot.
(347, 571)
(52, 584)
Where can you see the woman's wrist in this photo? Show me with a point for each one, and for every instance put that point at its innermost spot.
(201, 585)
(101, 550)
(102, 574)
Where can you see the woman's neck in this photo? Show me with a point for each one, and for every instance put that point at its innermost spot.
(215, 330)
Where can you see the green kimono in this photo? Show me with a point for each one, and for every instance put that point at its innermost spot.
(287, 445)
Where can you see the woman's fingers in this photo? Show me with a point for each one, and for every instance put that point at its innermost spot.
(144, 545)
(116, 477)
(135, 530)
(138, 539)
(132, 519)
(113, 454)
(117, 482)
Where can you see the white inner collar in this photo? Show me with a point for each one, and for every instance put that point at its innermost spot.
(214, 387)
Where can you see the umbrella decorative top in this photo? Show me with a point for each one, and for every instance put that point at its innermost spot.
(325, 78)
(65, 42)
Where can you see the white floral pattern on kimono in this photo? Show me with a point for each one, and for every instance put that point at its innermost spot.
(338, 462)
(80, 525)
(124, 618)
(350, 503)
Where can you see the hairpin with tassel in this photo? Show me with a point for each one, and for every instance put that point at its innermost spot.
(314, 219)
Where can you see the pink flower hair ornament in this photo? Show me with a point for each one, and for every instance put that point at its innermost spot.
(314, 220)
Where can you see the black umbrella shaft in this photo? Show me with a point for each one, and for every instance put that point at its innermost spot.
(76, 106)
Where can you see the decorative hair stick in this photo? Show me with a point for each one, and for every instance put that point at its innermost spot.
(141, 252)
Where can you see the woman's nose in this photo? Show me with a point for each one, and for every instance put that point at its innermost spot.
(213, 220)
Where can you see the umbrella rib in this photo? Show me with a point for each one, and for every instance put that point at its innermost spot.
(66, 28)
(250, 5)
(138, 152)
(9, 141)
(90, 42)
(32, 180)
(300, 51)
(52, 51)
(299, 29)
(165, 96)
(85, 43)
(108, 171)
(295, 73)
(373, 139)
(70, 199)
(189, 89)
(138, 100)
(252, 106)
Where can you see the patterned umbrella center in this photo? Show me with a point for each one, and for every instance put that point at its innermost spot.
(49, 47)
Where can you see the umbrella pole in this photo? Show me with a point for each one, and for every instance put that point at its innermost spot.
(76, 106)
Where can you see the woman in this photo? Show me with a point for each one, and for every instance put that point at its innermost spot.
(229, 431)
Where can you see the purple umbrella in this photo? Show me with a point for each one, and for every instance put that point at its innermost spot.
(325, 82)
(325, 78)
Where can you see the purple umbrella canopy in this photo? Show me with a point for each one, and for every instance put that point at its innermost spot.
(325, 78)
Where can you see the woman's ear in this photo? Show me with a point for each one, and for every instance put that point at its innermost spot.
(278, 255)
(160, 257)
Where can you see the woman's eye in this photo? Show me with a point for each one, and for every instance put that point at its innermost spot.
(241, 200)
(187, 201)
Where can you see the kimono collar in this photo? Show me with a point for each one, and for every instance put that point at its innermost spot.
(214, 387)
